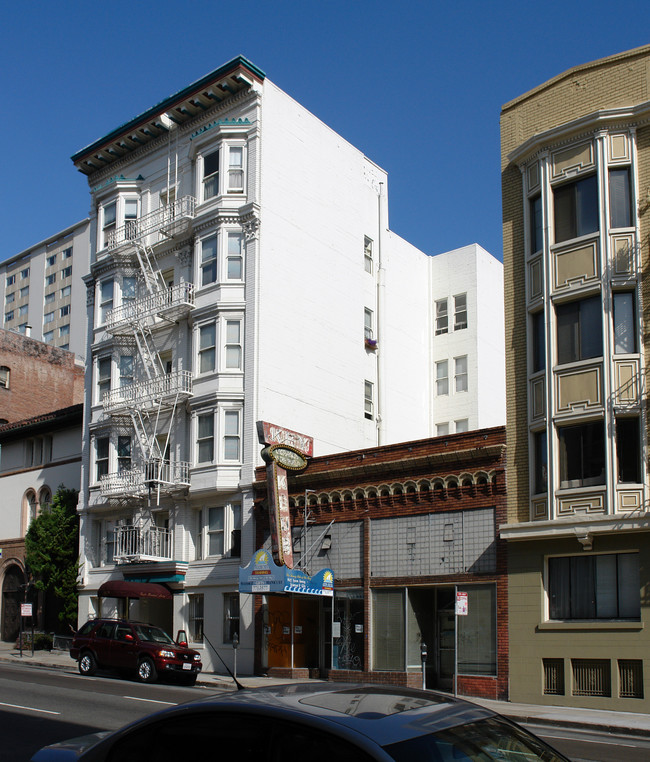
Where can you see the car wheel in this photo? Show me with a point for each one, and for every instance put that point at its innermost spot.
(147, 670)
(87, 663)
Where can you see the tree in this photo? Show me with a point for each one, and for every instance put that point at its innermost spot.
(52, 552)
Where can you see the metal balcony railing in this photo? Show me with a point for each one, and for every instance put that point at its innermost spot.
(142, 544)
(163, 389)
(174, 473)
(136, 481)
(166, 220)
(172, 303)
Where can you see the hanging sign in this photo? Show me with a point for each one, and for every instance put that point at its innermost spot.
(262, 575)
(25, 609)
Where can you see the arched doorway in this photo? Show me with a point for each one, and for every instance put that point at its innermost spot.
(11, 599)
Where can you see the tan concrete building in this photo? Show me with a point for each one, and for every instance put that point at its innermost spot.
(576, 222)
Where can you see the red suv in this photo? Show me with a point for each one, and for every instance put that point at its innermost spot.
(135, 647)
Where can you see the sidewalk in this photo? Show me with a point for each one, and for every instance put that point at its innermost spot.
(591, 719)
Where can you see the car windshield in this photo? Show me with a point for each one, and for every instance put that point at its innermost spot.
(488, 740)
(152, 634)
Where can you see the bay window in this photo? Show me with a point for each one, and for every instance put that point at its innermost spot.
(236, 169)
(624, 323)
(620, 207)
(231, 435)
(205, 438)
(211, 175)
(233, 345)
(234, 257)
(109, 222)
(582, 454)
(576, 208)
(207, 348)
(105, 299)
(579, 330)
(209, 260)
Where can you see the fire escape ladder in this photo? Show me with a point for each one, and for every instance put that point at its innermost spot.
(153, 279)
(151, 361)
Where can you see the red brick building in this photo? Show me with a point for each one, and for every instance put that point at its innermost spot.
(36, 378)
(411, 534)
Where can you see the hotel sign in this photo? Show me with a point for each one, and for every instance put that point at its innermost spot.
(262, 576)
(285, 450)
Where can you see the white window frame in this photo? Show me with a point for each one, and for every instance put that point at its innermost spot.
(368, 324)
(460, 312)
(207, 348)
(231, 425)
(108, 227)
(212, 261)
(233, 255)
(442, 316)
(461, 381)
(368, 261)
(207, 437)
(236, 188)
(104, 382)
(232, 343)
(103, 437)
(230, 524)
(105, 304)
(442, 378)
(213, 178)
(369, 400)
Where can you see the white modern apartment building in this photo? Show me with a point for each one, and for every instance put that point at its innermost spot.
(42, 292)
(242, 269)
(467, 341)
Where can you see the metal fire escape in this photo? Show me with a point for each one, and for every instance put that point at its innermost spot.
(150, 400)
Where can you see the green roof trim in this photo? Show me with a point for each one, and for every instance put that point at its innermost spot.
(167, 102)
(221, 123)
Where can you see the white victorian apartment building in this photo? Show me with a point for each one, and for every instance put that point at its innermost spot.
(242, 269)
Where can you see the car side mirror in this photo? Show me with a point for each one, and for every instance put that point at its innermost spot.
(181, 639)
(129, 637)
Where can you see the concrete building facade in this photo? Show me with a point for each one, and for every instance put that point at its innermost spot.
(576, 195)
(242, 269)
(42, 291)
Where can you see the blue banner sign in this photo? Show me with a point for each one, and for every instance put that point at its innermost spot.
(262, 575)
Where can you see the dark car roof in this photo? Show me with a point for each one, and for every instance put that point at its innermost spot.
(405, 712)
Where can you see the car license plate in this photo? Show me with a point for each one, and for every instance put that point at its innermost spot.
(187, 666)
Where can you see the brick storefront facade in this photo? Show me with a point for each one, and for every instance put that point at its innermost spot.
(412, 524)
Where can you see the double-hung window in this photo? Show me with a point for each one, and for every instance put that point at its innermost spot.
(211, 175)
(10, 297)
(50, 279)
(9, 316)
(460, 312)
(126, 370)
(207, 348)
(66, 272)
(48, 317)
(105, 299)
(66, 291)
(216, 531)
(65, 310)
(579, 330)
(460, 373)
(442, 317)
(103, 377)
(234, 258)
(593, 586)
(368, 324)
(49, 298)
(123, 453)
(209, 260)
(231, 435)
(576, 208)
(130, 218)
(23, 310)
(236, 169)
(367, 255)
(368, 400)
(442, 378)
(109, 224)
(51, 260)
(11, 279)
(205, 438)
(233, 345)
(101, 457)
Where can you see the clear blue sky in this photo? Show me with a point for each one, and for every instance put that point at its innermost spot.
(417, 86)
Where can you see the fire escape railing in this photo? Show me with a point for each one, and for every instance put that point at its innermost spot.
(140, 543)
(163, 220)
(164, 388)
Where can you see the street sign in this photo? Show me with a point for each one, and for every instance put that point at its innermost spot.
(461, 603)
(25, 609)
